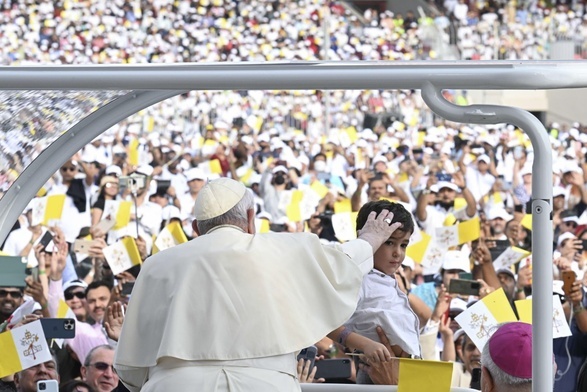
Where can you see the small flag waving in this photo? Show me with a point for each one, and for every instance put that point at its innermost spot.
(22, 348)
(211, 167)
(481, 319)
(560, 327)
(122, 255)
(119, 210)
(509, 257)
(460, 233)
(345, 226)
(47, 210)
(170, 236)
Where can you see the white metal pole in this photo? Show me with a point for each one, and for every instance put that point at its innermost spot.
(542, 370)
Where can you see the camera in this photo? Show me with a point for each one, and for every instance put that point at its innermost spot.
(134, 182)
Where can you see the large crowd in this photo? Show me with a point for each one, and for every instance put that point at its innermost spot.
(377, 145)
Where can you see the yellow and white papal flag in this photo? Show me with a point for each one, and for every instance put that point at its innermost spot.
(460, 233)
(170, 236)
(122, 255)
(47, 210)
(22, 348)
(481, 319)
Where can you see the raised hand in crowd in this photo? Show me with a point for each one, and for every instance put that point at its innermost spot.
(447, 336)
(95, 250)
(482, 254)
(485, 289)
(122, 278)
(305, 375)
(34, 288)
(114, 319)
(570, 248)
(442, 304)
(29, 318)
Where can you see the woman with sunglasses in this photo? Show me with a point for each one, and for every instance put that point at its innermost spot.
(108, 191)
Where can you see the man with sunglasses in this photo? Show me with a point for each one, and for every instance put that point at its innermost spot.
(76, 211)
(98, 371)
(10, 299)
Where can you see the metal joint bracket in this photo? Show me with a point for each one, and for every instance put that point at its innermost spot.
(542, 372)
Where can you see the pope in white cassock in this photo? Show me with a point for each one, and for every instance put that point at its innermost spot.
(228, 310)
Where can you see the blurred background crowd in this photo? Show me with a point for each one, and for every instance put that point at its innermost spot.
(310, 165)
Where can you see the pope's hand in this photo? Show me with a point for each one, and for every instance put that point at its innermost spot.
(378, 228)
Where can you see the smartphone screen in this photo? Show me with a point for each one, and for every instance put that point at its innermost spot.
(309, 353)
(333, 368)
(463, 286)
(46, 239)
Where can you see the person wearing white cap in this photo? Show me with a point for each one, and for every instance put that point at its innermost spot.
(454, 262)
(255, 291)
(498, 218)
(196, 179)
(479, 178)
(274, 182)
(437, 202)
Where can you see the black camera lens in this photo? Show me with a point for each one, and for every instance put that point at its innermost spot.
(42, 386)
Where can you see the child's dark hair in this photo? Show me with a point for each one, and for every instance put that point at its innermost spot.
(400, 214)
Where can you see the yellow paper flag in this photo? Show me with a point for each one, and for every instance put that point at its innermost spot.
(47, 209)
(320, 189)
(215, 166)
(293, 211)
(170, 236)
(418, 375)
(133, 152)
(23, 347)
(527, 221)
(262, 225)
(460, 203)
(469, 230)
(417, 250)
(524, 308)
(499, 306)
(54, 208)
(343, 206)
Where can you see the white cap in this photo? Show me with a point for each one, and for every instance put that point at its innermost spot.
(484, 158)
(458, 304)
(559, 191)
(498, 212)
(264, 215)
(170, 212)
(446, 184)
(380, 158)
(195, 174)
(113, 169)
(218, 197)
(280, 168)
(409, 262)
(526, 169)
(564, 236)
(147, 170)
(456, 260)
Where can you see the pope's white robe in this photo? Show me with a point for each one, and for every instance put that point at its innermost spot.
(207, 311)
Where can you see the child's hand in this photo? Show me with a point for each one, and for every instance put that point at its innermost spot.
(376, 352)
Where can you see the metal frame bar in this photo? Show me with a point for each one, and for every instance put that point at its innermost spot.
(493, 75)
(431, 77)
(542, 370)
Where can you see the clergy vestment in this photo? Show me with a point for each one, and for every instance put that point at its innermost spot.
(227, 311)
